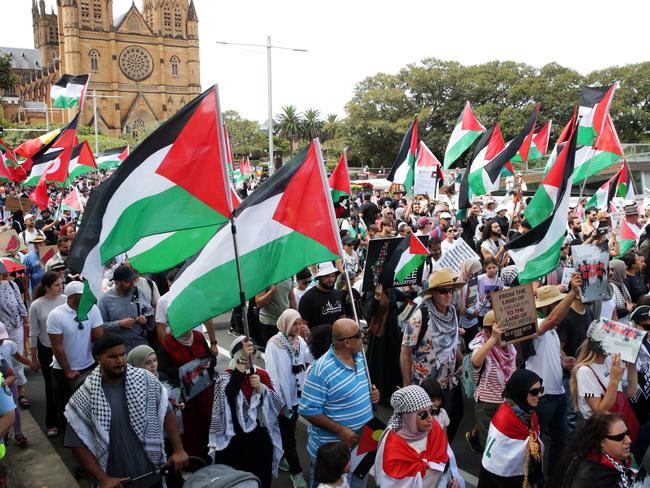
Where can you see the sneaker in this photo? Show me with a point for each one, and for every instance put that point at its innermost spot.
(298, 481)
(284, 465)
(473, 442)
(53, 432)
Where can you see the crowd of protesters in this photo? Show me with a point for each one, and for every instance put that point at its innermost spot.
(553, 410)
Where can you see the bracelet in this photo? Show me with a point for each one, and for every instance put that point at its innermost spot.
(213, 342)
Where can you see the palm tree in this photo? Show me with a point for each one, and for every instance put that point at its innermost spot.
(312, 124)
(289, 125)
(331, 127)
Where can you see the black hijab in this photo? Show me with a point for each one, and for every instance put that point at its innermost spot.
(517, 388)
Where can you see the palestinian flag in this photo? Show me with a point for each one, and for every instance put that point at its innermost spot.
(73, 201)
(539, 145)
(287, 224)
(592, 118)
(174, 180)
(408, 256)
(537, 252)
(81, 161)
(245, 168)
(69, 91)
(230, 160)
(426, 159)
(543, 202)
(28, 148)
(403, 170)
(7, 163)
(508, 441)
(10, 264)
(605, 153)
(339, 180)
(494, 154)
(559, 144)
(625, 186)
(111, 158)
(603, 196)
(629, 236)
(466, 131)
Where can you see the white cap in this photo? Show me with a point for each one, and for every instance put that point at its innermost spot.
(445, 215)
(29, 216)
(74, 288)
(324, 269)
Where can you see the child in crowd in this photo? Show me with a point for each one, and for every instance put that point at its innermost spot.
(433, 389)
(332, 463)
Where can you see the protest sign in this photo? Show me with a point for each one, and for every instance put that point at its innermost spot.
(515, 309)
(613, 337)
(592, 264)
(13, 203)
(176, 402)
(426, 181)
(10, 243)
(194, 377)
(46, 253)
(455, 255)
(379, 252)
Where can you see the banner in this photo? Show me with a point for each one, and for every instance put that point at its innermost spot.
(194, 377)
(515, 309)
(613, 337)
(592, 264)
(456, 254)
(379, 252)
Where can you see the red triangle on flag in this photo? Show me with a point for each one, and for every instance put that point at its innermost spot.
(304, 206)
(194, 160)
(340, 178)
(541, 138)
(608, 140)
(416, 247)
(496, 144)
(413, 147)
(627, 233)
(367, 441)
(470, 122)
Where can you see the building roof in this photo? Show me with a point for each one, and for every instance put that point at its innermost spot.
(23, 58)
(118, 20)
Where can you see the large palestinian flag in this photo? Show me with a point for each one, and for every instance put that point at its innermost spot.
(602, 155)
(403, 170)
(81, 161)
(539, 145)
(537, 252)
(69, 91)
(408, 256)
(111, 158)
(287, 224)
(339, 180)
(604, 194)
(466, 131)
(174, 180)
(625, 184)
(592, 119)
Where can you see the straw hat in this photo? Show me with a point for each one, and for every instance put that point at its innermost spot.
(443, 278)
(490, 319)
(546, 295)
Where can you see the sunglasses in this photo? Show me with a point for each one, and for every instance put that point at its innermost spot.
(536, 391)
(445, 291)
(425, 415)
(80, 324)
(618, 437)
(306, 282)
(358, 335)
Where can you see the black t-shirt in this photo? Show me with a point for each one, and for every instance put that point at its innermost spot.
(370, 212)
(50, 235)
(469, 229)
(635, 286)
(573, 330)
(319, 307)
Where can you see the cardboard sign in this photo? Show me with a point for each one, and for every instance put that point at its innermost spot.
(455, 255)
(379, 252)
(46, 253)
(613, 337)
(592, 264)
(10, 243)
(194, 377)
(515, 308)
(13, 203)
(426, 181)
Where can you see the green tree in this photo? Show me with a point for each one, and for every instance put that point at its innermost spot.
(311, 123)
(290, 125)
(7, 77)
(246, 136)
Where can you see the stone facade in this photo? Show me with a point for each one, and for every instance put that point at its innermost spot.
(149, 59)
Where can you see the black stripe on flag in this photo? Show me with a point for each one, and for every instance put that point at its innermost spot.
(387, 276)
(463, 191)
(590, 96)
(403, 152)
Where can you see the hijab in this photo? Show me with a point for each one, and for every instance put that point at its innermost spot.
(468, 269)
(618, 277)
(286, 321)
(517, 388)
(138, 356)
(406, 402)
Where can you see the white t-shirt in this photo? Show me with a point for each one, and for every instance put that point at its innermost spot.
(442, 418)
(28, 236)
(7, 351)
(589, 387)
(161, 308)
(445, 245)
(76, 342)
(546, 362)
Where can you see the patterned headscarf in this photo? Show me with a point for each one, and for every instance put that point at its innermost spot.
(405, 402)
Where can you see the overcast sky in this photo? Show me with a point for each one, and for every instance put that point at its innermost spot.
(349, 40)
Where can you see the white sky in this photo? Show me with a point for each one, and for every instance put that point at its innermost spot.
(349, 40)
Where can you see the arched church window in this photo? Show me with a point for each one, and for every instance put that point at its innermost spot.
(178, 20)
(167, 19)
(94, 60)
(175, 62)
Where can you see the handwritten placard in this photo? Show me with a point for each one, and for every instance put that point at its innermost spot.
(515, 309)
(455, 255)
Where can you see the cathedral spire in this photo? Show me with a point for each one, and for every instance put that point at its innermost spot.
(191, 12)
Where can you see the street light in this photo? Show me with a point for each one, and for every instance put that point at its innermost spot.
(268, 47)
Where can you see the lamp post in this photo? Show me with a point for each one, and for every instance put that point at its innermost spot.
(268, 47)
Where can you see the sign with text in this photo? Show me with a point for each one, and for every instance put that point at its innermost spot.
(515, 309)
(14, 203)
(456, 254)
(426, 181)
(592, 263)
(379, 252)
(613, 337)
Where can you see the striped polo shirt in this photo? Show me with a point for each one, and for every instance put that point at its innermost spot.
(339, 392)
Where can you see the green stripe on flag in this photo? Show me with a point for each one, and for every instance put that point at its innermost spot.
(625, 245)
(414, 263)
(599, 162)
(337, 194)
(541, 207)
(460, 147)
(86, 303)
(542, 264)
(65, 102)
(476, 183)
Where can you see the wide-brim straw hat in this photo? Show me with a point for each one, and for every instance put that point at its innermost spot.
(443, 278)
(547, 295)
(490, 319)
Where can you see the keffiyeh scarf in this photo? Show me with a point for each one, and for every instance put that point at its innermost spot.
(444, 332)
(89, 414)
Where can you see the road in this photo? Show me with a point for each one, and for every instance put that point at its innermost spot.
(468, 462)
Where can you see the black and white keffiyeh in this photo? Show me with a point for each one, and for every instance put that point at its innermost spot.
(89, 413)
(405, 400)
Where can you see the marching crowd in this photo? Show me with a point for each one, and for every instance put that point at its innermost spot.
(129, 397)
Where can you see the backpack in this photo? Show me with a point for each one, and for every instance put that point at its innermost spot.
(221, 476)
(467, 376)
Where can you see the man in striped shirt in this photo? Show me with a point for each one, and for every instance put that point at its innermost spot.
(336, 398)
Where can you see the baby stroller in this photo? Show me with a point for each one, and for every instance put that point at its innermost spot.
(212, 476)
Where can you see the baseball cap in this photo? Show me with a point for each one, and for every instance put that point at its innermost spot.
(29, 216)
(124, 273)
(640, 313)
(73, 288)
(445, 215)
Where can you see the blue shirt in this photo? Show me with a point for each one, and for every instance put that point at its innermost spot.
(32, 264)
(339, 392)
(6, 400)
